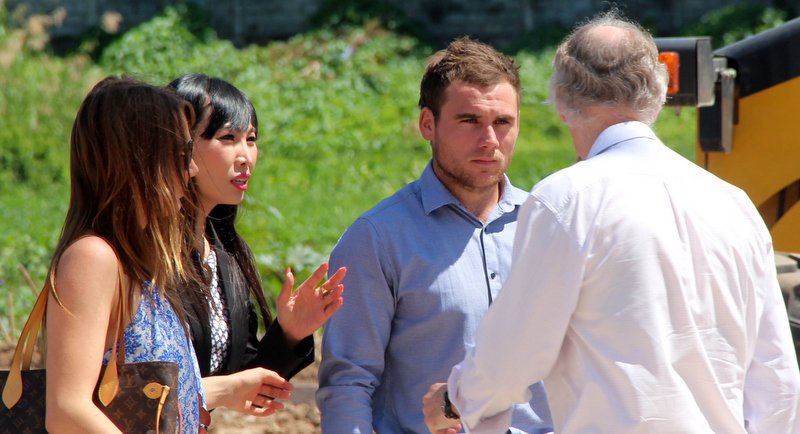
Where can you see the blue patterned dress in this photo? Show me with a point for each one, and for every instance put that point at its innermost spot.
(156, 334)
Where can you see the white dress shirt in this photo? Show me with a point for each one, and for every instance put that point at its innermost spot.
(643, 292)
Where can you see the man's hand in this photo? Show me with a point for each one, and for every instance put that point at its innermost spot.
(434, 414)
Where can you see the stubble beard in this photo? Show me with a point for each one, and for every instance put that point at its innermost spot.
(464, 180)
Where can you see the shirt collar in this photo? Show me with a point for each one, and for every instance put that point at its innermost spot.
(435, 195)
(619, 133)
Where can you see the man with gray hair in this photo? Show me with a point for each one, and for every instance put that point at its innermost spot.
(643, 288)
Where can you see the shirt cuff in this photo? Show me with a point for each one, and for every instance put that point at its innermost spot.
(471, 418)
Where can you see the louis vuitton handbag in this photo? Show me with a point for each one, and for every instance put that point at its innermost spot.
(137, 397)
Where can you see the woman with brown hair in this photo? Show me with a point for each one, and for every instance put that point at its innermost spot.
(130, 160)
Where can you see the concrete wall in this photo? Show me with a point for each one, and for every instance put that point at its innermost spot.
(495, 21)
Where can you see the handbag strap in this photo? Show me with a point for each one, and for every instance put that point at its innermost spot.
(23, 353)
(12, 391)
(109, 384)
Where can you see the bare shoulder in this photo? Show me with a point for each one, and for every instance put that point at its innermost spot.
(89, 258)
(91, 249)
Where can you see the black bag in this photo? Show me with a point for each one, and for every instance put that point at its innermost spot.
(137, 397)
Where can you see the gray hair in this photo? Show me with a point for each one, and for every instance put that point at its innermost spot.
(623, 72)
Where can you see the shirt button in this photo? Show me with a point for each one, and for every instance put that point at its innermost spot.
(492, 275)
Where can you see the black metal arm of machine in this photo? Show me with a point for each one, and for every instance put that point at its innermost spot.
(714, 81)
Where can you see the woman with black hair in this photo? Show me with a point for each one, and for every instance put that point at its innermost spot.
(225, 339)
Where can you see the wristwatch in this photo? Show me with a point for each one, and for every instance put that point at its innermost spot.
(447, 408)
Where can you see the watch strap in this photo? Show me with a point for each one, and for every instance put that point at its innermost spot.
(447, 408)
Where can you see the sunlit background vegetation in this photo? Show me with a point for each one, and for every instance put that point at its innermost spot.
(337, 112)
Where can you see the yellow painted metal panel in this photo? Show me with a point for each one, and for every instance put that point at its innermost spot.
(765, 158)
(786, 233)
(766, 143)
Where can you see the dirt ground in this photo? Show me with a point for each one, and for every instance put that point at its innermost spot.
(299, 417)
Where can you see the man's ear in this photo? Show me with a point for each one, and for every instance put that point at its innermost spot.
(427, 124)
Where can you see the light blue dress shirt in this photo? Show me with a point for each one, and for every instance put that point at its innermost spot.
(422, 271)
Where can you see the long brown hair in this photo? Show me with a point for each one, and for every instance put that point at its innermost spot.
(128, 156)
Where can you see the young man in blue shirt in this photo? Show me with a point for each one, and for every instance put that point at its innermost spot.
(425, 264)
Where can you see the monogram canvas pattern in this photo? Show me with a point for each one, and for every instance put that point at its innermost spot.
(132, 411)
(27, 417)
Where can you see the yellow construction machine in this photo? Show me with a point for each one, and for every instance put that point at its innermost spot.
(748, 129)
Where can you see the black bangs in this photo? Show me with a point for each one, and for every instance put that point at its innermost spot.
(230, 109)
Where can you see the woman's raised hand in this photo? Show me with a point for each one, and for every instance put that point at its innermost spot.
(303, 311)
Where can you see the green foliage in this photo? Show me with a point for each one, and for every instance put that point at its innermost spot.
(543, 145)
(338, 14)
(30, 114)
(543, 37)
(40, 95)
(3, 19)
(325, 89)
(338, 132)
(735, 22)
(36, 112)
(335, 107)
(192, 23)
(176, 42)
(37, 120)
(26, 241)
